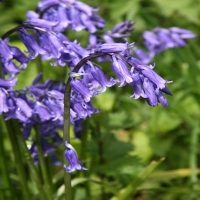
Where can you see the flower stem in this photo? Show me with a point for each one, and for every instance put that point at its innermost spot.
(66, 136)
(32, 167)
(12, 133)
(193, 155)
(3, 163)
(66, 128)
(46, 179)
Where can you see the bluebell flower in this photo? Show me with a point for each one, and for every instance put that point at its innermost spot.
(66, 14)
(82, 89)
(150, 88)
(72, 158)
(5, 52)
(42, 111)
(160, 39)
(19, 56)
(117, 34)
(51, 44)
(144, 56)
(112, 47)
(7, 83)
(80, 109)
(3, 101)
(12, 58)
(32, 45)
(121, 70)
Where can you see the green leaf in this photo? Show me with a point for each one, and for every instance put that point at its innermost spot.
(126, 192)
(187, 8)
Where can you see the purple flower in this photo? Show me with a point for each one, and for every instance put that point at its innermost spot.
(5, 52)
(51, 44)
(19, 108)
(72, 159)
(30, 42)
(19, 55)
(153, 76)
(161, 39)
(3, 101)
(7, 83)
(150, 92)
(149, 86)
(121, 70)
(68, 14)
(42, 111)
(79, 108)
(112, 47)
(119, 33)
(82, 89)
(144, 56)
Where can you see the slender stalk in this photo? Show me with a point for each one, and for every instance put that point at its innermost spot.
(87, 58)
(12, 133)
(84, 135)
(17, 28)
(193, 154)
(66, 128)
(66, 136)
(46, 179)
(3, 164)
(33, 169)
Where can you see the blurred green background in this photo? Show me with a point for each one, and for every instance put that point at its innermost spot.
(120, 143)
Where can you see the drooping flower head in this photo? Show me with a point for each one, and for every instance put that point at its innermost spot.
(72, 158)
(67, 14)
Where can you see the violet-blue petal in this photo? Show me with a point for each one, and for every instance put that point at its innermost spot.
(145, 57)
(72, 159)
(40, 24)
(154, 77)
(161, 98)
(101, 78)
(150, 92)
(112, 47)
(81, 89)
(184, 33)
(50, 43)
(10, 67)
(3, 101)
(30, 42)
(19, 55)
(138, 86)
(23, 111)
(121, 70)
(42, 111)
(7, 83)
(5, 52)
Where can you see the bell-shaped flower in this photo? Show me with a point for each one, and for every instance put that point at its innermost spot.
(72, 158)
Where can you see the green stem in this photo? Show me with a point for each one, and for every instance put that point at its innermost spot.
(47, 181)
(12, 132)
(83, 155)
(66, 128)
(4, 166)
(33, 169)
(66, 136)
(193, 155)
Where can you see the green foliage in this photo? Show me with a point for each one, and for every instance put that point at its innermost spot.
(119, 145)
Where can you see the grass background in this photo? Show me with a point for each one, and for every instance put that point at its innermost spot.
(120, 143)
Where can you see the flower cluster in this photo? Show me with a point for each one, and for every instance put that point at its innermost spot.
(42, 104)
(160, 39)
(67, 14)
